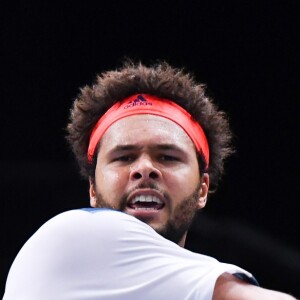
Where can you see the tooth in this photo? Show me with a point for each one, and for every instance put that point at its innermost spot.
(146, 198)
(136, 199)
(157, 200)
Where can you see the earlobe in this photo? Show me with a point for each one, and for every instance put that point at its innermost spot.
(203, 190)
(202, 201)
(92, 193)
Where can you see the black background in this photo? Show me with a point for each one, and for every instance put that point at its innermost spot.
(246, 52)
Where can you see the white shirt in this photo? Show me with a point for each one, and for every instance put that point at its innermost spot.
(94, 254)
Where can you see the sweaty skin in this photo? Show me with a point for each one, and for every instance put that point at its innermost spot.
(150, 156)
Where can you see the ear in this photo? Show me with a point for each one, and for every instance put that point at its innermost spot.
(203, 190)
(92, 193)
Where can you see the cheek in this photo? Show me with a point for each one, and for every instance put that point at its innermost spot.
(182, 182)
(110, 179)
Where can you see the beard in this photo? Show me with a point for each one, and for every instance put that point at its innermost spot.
(177, 225)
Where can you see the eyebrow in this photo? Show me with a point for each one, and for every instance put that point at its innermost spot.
(138, 147)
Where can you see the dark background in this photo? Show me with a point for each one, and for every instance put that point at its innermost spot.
(246, 52)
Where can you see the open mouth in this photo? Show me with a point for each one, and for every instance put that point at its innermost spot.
(145, 202)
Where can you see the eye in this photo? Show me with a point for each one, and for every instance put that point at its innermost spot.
(124, 158)
(169, 158)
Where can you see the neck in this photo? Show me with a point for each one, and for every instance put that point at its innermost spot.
(181, 243)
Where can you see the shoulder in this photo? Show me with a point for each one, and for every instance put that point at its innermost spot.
(86, 219)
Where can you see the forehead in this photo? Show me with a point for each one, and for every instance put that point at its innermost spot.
(146, 129)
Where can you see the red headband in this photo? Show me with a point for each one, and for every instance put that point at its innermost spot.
(147, 104)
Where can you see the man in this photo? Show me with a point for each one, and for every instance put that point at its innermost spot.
(152, 145)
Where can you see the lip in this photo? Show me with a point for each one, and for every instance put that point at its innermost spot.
(144, 213)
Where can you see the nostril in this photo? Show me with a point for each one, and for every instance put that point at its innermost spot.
(137, 175)
(153, 175)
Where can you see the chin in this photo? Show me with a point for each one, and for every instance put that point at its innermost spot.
(158, 227)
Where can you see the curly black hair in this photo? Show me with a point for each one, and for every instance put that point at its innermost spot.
(161, 80)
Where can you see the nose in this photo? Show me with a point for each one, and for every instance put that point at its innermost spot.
(143, 168)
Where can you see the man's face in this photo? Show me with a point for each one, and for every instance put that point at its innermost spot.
(147, 167)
